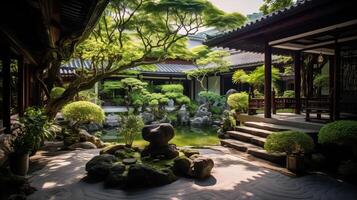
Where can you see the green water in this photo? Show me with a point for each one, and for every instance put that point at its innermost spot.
(184, 136)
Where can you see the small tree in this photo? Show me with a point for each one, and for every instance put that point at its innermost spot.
(175, 92)
(270, 6)
(131, 126)
(256, 78)
(238, 101)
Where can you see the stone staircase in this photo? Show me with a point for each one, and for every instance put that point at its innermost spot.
(251, 138)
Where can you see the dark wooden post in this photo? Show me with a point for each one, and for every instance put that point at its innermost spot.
(337, 79)
(207, 86)
(193, 88)
(267, 85)
(331, 84)
(273, 101)
(297, 85)
(21, 86)
(6, 106)
(221, 84)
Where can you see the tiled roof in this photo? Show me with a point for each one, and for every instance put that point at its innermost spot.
(264, 19)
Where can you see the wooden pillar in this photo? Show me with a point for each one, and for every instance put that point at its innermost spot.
(221, 84)
(310, 77)
(267, 85)
(21, 87)
(336, 85)
(297, 85)
(194, 88)
(331, 84)
(207, 86)
(6, 106)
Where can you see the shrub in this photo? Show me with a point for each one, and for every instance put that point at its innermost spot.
(216, 110)
(175, 88)
(290, 142)
(83, 112)
(131, 126)
(210, 97)
(192, 107)
(238, 101)
(35, 129)
(342, 132)
(56, 92)
(289, 94)
(229, 122)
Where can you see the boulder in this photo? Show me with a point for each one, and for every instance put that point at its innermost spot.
(115, 177)
(189, 152)
(99, 166)
(85, 136)
(140, 175)
(112, 149)
(82, 145)
(231, 91)
(183, 116)
(168, 151)
(202, 166)
(182, 166)
(92, 127)
(147, 117)
(202, 117)
(111, 121)
(158, 135)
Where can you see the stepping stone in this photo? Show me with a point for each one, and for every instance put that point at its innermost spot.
(246, 137)
(240, 146)
(129, 161)
(278, 158)
(266, 126)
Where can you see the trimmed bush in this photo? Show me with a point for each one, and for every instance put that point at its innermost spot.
(238, 101)
(290, 142)
(289, 94)
(173, 88)
(342, 132)
(83, 112)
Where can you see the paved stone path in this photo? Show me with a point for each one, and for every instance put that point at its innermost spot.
(233, 178)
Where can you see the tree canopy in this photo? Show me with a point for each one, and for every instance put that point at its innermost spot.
(270, 6)
(134, 33)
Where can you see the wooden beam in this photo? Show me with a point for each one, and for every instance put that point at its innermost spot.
(297, 85)
(337, 79)
(267, 85)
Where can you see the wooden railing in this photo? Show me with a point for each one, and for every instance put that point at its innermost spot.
(277, 103)
(316, 105)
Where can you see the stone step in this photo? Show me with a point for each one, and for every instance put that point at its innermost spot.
(256, 151)
(266, 126)
(246, 137)
(254, 131)
(278, 158)
(235, 144)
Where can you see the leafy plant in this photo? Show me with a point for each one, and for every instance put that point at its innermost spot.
(57, 92)
(175, 92)
(131, 126)
(342, 132)
(321, 80)
(238, 101)
(192, 108)
(290, 142)
(289, 94)
(229, 122)
(81, 112)
(34, 131)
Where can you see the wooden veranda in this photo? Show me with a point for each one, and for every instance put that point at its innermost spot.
(326, 29)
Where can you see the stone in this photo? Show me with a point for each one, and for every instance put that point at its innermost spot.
(202, 166)
(170, 103)
(5, 147)
(99, 166)
(147, 117)
(168, 151)
(182, 166)
(91, 127)
(202, 117)
(183, 116)
(111, 120)
(231, 91)
(140, 175)
(82, 145)
(189, 152)
(85, 136)
(115, 177)
(158, 135)
(129, 161)
(112, 149)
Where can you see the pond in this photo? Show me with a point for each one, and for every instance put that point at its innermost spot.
(184, 136)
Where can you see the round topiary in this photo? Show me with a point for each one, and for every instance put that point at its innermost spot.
(342, 132)
(290, 142)
(238, 101)
(56, 92)
(83, 112)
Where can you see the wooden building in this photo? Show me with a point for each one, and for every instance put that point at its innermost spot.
(326, 28)
(29, 32)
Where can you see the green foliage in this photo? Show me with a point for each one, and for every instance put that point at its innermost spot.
(83, 112)
(229, 122)
(255, 78)
(238, 101)
(290, 142)
(216, 110)
(172, 117)
(289, 94)
(86, 95)
(192, 108)
(172, 88)
(34, 131)
(321, 80)
(131, 126)
(270, 6)
(210, 97)
(56, 92)
(342, 132)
